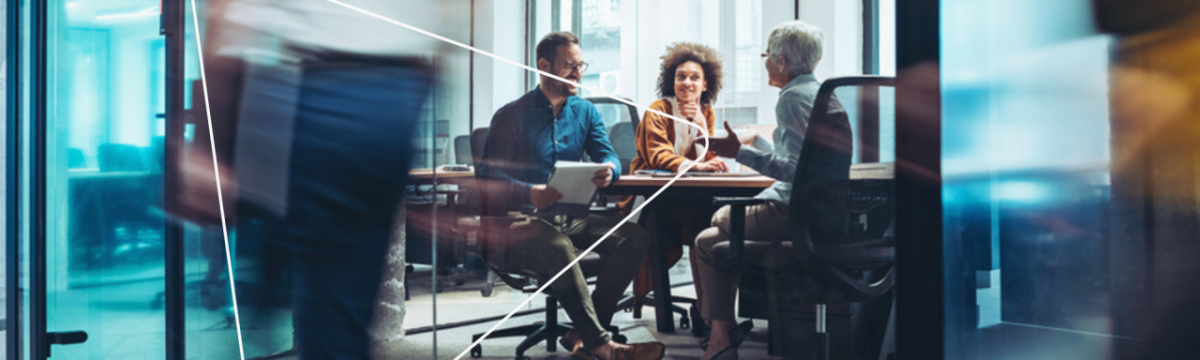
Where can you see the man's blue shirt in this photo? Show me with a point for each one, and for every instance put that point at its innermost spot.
(525, 140)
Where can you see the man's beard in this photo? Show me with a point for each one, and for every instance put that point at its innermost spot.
(566, 89)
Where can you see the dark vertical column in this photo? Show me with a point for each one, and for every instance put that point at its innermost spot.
(577, 18)
(471, 77)
(12, 206)
(173, 29)
(38, 342)
(868, 120)
(870, 34)
(530, 22)
(555, 17)
(919, 262)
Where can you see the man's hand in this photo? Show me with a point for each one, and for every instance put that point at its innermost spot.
(542, 196)
(725, 146)
(603, 178)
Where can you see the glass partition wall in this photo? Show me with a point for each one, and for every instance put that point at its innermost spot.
(100, 251)
(103, 151)
(1066, 204)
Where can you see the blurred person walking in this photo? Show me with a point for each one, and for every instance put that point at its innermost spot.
(313, 112)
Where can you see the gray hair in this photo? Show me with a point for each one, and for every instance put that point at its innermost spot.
(799, 43)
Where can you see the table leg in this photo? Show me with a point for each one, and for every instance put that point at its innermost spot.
(658, 272)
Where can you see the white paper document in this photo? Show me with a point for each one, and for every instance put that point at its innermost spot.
(574, 181)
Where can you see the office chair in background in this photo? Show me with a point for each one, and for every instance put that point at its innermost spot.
(840, 250)
(75, 158)
(462, 150)
(621, 136)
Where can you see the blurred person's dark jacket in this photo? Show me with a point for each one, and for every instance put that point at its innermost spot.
(313, 130)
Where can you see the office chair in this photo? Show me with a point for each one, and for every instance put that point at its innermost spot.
(130, 217)
(121, 157)
(549, 330)
(75, 158)
(621, 136)
(621, 133)
(462, 150)
(464, 154)
(828, 258)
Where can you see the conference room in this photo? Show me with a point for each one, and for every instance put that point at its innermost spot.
(624, 45)
(800, 179)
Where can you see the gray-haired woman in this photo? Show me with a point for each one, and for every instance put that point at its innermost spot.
(793, 50)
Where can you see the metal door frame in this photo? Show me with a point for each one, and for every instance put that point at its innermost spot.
(172, 26)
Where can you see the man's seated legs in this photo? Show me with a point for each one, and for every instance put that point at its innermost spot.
(545, 247)
(623, 251)
(538, 247)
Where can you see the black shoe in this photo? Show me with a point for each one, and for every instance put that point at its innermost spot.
(729, 353)
(736, 335)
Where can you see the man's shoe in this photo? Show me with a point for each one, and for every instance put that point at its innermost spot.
(574, 344)
(639, 351)
(571, 340)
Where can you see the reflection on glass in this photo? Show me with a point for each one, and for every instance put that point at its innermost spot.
(105, 226)
(1026, 181)
(208, 313)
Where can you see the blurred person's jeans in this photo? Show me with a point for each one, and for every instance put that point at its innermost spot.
(350, 152)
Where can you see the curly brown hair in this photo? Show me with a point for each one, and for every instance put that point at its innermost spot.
(679, 53)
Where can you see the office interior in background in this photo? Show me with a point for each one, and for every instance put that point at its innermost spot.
(1038, 164)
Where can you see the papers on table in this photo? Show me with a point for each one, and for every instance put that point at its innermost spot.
(574, 181)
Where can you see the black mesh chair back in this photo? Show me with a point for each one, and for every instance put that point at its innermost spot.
(622, 138)
(121, 157)
(620, 120)
(478, 137)
(855, 263)
(463, 153)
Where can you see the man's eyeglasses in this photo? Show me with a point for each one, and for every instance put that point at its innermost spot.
(582, 66)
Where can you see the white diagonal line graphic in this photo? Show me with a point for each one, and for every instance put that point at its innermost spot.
(602, 93)
(217, 176)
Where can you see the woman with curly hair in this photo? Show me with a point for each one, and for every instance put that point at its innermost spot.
(688, 83)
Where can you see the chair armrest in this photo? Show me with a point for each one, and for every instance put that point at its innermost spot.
(738, 202)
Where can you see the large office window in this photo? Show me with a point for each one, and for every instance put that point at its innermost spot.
(624, 40)
(601, 41)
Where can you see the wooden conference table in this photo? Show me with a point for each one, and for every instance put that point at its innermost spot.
(425, 176)
(706, 187)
